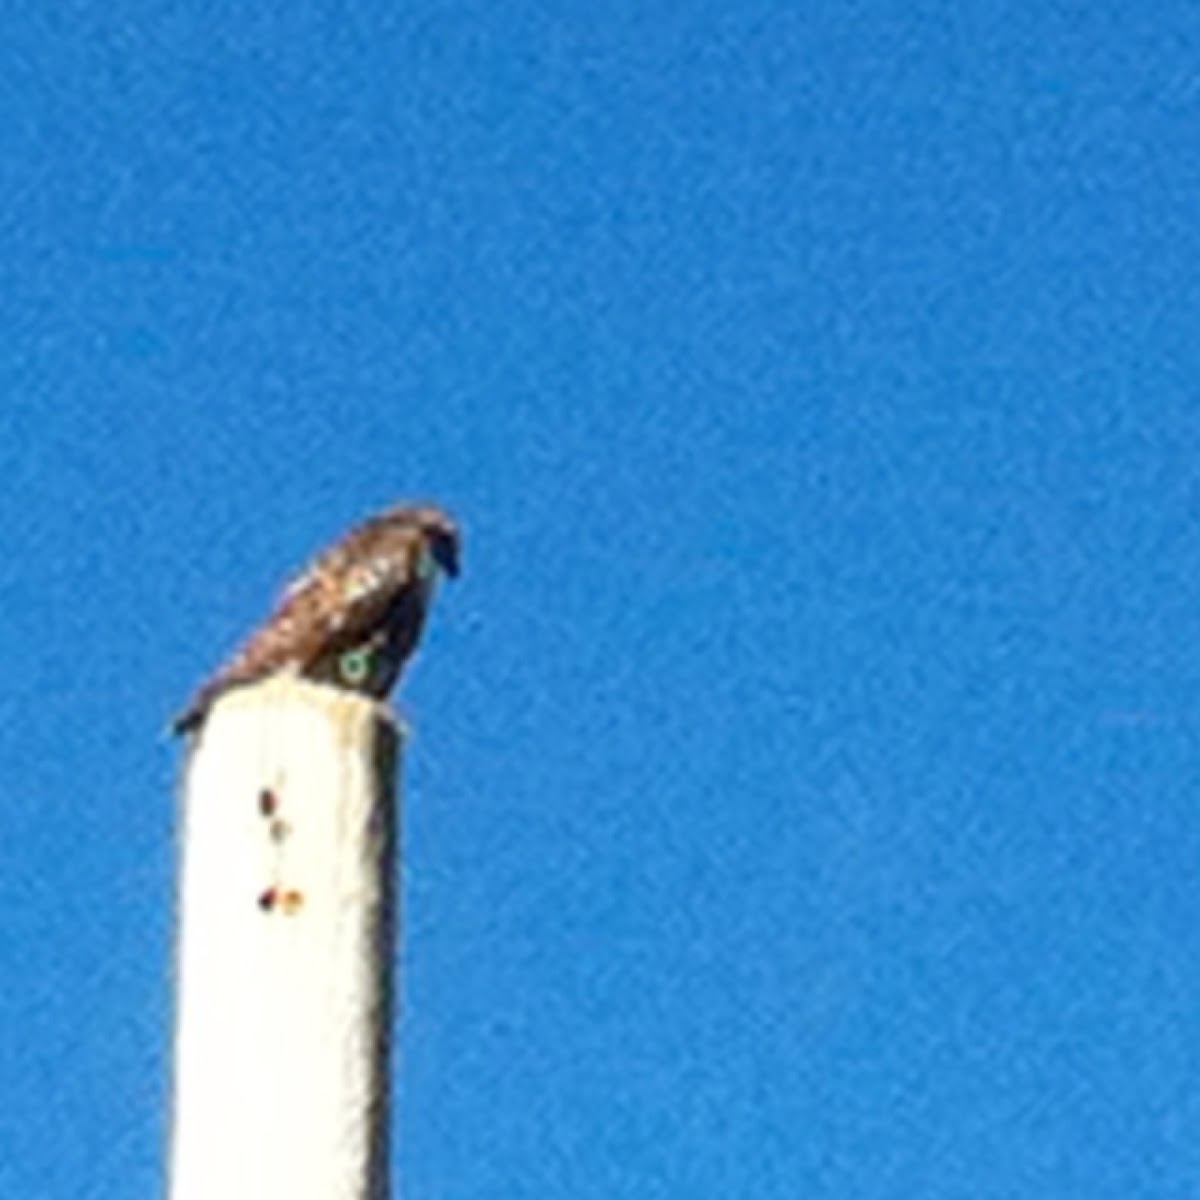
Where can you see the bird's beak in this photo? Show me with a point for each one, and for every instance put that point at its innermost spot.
(445, 554)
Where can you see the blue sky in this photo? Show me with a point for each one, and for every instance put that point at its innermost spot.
(802, 799)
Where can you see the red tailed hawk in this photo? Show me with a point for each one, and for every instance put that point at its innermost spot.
(353, 617)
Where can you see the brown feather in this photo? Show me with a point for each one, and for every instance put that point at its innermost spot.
(369, 589)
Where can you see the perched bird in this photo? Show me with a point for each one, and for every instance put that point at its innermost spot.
(353, 616)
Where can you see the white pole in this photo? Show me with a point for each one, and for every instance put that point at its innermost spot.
(286, 938)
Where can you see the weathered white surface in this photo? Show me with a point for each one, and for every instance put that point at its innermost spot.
(281, 1053)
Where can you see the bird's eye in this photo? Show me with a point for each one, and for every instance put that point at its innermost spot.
(354, 666)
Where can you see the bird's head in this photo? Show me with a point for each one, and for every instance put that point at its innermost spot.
(441, 536)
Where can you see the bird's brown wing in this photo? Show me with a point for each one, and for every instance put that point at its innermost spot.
(346, 596)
